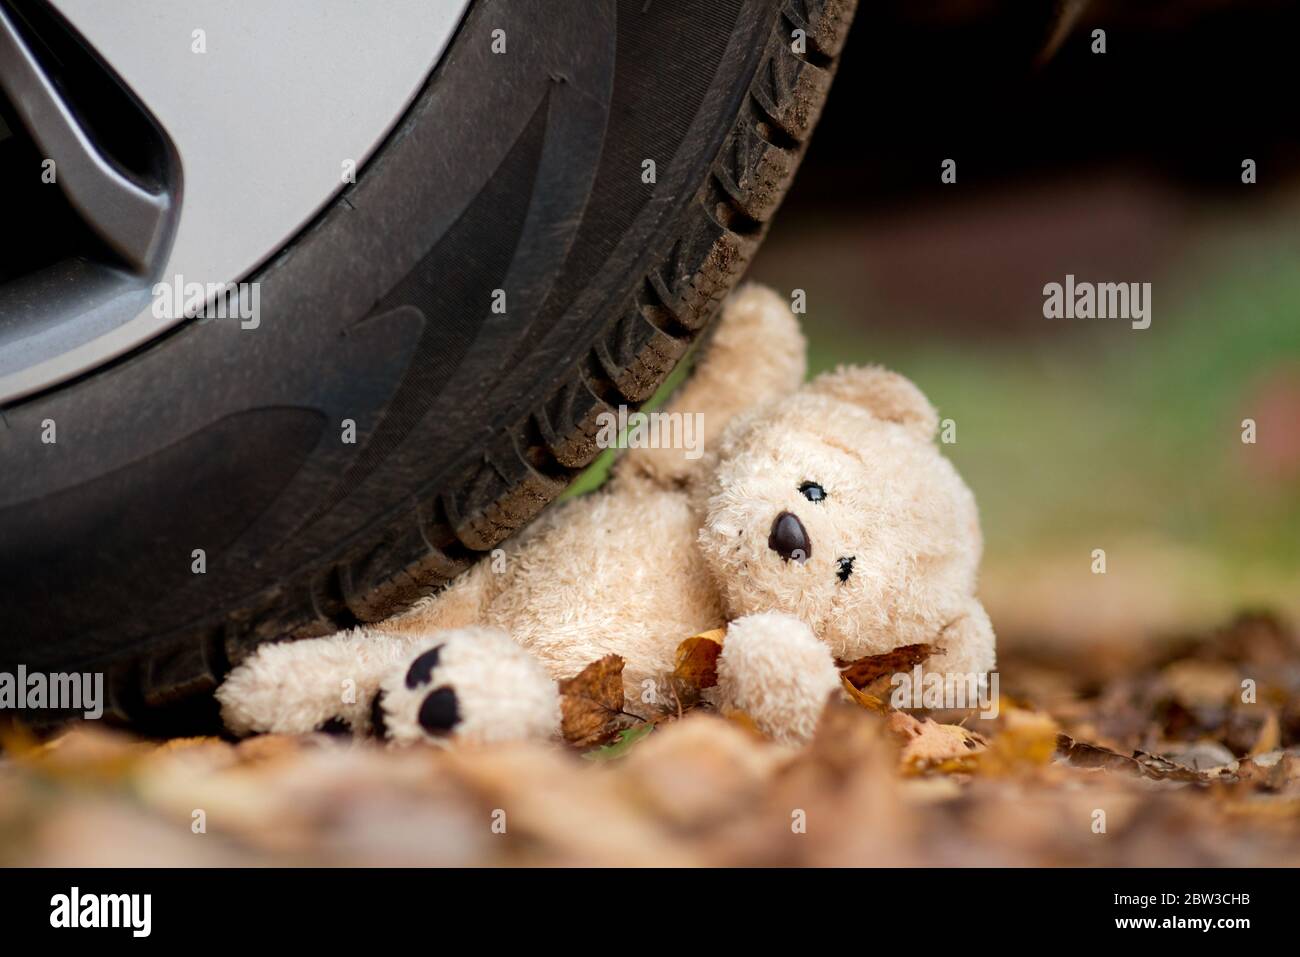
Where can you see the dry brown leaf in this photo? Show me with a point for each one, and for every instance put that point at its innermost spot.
(696, 666)
(862, 672)
(1161, 768)
(1276, 771)
(591, 703)
(1080, 754)
(1092, 757)
(928, 745)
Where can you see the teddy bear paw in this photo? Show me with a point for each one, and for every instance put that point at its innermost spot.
(775, 670)
(467, 685)
(317, 684)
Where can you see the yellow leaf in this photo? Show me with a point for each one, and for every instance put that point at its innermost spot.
(868, 701)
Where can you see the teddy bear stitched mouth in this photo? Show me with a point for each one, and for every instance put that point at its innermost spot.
(789, 539)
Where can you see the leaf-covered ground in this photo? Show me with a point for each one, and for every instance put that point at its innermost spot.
(1183, 753)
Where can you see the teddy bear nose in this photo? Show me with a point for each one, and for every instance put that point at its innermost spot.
(789, 539)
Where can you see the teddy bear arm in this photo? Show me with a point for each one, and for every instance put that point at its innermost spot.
(773, 669)
(968, 643)
(756, 353)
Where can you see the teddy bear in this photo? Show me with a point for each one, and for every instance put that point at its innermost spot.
(821, 523)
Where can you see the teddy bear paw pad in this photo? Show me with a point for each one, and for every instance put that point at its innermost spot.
(471, 684)
(440, 711)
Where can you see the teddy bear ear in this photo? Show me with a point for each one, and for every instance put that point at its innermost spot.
(886, 395)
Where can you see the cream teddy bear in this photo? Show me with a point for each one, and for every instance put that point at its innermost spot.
(820, 523)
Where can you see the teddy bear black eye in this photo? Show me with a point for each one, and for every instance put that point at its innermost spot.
(812, 491)
(846, 568)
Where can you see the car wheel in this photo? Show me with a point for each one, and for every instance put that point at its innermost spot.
(431, 245)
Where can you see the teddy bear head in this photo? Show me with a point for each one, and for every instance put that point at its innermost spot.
(835, 505)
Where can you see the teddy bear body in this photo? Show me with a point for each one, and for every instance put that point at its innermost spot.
(615, 572)
(820, 523)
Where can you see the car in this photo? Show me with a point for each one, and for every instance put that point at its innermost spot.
(317, 302)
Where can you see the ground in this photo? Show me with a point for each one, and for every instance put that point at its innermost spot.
(1105, 755)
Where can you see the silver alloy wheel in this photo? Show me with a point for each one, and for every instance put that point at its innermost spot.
(264, 110)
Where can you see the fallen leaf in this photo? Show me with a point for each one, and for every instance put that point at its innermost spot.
(1092, 757)
(1275, 771)
(696, 666)
(1080, 754)
(868, 701)
(862, 672)
(1199, 756)
(591, 703)
(929, 745)
(1161, 768)
(1025, 738)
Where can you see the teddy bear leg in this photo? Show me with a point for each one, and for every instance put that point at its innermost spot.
(301, 686)
(471, 684)
(775, 670)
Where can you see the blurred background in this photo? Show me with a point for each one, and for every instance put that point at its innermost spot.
(1125, 167)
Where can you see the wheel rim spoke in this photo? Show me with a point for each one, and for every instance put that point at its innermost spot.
(241, 121)
(130, 219)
